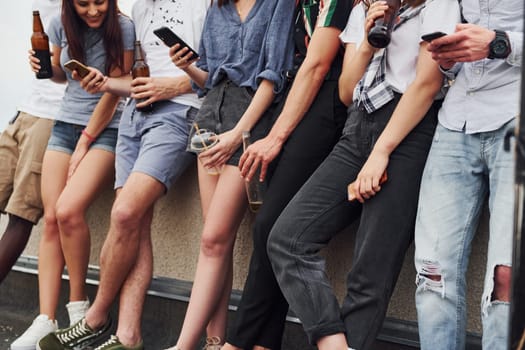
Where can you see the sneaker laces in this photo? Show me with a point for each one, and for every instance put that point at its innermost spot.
(113, 340)
(79, 330)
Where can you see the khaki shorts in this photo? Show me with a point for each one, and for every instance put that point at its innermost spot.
(22, 147)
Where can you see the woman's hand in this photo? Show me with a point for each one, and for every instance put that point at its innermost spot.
(260, 153)
(370, 178)
(34, 62)
(80, 151)
(94, 82)
(217, 155)
(181, 56)
(376, 10)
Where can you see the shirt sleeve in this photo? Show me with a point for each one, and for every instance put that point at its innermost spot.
(516, 45)
(354, 31)
(440, 15)
(128, 32)
(55, 31)
(334, 13)
(278, 45)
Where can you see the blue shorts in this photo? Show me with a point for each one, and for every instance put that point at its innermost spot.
(154, 143)
(64, 138)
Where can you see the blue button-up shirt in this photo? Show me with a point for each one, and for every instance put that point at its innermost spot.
(486, 93)
(261, 47)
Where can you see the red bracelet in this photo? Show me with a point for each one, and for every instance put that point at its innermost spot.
(88, 136)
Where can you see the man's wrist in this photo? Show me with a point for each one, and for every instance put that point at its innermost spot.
(499, 47)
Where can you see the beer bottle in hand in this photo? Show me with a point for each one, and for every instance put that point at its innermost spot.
(379, 35)
(140, 69)
(40, 44)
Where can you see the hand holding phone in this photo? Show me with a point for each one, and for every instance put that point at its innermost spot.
(169, 38)
(81, 69)
(431, 36)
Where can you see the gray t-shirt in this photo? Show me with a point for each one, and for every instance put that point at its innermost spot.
(78, 105)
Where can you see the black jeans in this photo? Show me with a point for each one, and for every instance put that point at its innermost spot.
(320, 210)
(262, 311)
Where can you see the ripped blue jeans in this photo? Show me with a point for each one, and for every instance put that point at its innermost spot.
(461, 171)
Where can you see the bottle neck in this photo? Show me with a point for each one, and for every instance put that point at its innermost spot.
(138, 56)
(37, 23)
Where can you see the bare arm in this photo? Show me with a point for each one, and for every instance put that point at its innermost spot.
(410, 110)
(100, 118)
(322, 49)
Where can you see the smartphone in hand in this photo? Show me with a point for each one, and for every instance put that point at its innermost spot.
(81, 69)
(431, 36)
(169, 38)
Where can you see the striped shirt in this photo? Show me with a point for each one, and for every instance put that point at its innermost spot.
(312, 14)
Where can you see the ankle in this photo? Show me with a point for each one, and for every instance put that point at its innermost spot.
(129, 339)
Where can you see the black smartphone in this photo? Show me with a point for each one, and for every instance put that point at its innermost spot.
(169, 38)
(431, 36)
(81, 69)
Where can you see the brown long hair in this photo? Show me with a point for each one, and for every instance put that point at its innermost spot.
(76, 28)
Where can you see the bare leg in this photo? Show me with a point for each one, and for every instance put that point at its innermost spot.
(13, 243)
(224, 211)
(133, 291)
(94, 171)
(333, 342)
(122, 246)
(50, 258)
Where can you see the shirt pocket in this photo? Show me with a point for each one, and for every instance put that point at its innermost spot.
(253, 34)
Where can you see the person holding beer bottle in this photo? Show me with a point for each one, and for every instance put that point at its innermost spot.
(394, 96)
(150, 156)
(240, 72)
(80, 155)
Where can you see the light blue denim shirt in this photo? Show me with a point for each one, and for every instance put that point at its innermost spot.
(77, 104)
(245, 52)
(486, 93)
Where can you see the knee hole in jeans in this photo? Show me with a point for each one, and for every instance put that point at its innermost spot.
(502, 281)
(429, 277)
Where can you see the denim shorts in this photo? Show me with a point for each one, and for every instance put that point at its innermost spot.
(64, 138)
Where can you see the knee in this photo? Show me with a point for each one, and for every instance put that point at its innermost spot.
(50, 224)
(429, 277)
(125, 220)
(68, 216)
(502, 282)
(216, 244)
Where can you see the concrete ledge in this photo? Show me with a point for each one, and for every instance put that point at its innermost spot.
(165, 308)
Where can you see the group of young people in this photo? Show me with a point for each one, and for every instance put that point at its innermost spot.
(328, 114)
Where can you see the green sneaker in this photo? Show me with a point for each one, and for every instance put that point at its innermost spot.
(114, 344)
(75, 337)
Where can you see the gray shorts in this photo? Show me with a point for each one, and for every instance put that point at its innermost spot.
(153, 143)
(224, 106)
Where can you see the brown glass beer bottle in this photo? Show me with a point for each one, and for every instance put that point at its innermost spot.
(379, 35)
(140, 70)
(40, 44)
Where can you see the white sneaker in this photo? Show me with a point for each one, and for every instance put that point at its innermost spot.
(40, 327)
(77, 310)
